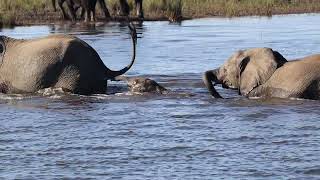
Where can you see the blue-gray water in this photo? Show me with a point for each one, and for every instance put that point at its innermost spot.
(177, 136)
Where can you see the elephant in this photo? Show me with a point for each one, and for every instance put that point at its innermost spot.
(87, 6)
(142, 85)
(55, 61)
(263, 72)
(125, 9)
(72, 6)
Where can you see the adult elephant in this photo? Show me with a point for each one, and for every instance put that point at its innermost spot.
(58, 61)
(262, 72)
(125, 10)
(87, 6)
(53, 2)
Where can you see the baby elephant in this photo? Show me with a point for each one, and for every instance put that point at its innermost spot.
(143, 85)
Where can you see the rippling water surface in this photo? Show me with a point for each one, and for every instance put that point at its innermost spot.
(183, 135)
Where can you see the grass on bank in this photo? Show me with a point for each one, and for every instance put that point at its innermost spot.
(232, 8)
(12, 11)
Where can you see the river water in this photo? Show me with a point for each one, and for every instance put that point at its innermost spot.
(183, 135)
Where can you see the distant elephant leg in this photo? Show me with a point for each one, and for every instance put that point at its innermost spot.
(139, 9)
(60, 3)
(208, 78)
(82, 13)
(76, 8)
(125, 10)
(86, 15)
(93, 15)
(104, 8)
(72, 11)
(54, 5)
(92, 7)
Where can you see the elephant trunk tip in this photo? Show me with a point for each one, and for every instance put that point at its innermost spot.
(208, 78)
(113, 74)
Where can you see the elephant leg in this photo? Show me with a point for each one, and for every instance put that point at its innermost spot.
(86, 16)
(92, 7)
(54, 5)
(208, 78)
(60, 3)
(82, 13)
(104, 8)
(139, 9)
(72, 11)
(93, 15)
(124, 7)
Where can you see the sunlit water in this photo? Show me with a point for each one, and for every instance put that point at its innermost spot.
(182, 135)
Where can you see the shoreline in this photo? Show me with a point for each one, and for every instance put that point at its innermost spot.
(15, 13)
(35, 22)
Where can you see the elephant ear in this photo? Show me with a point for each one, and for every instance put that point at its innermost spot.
(256, 68)
(2, 49)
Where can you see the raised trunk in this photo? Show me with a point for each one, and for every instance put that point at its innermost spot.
(112, 74)
(208, 78)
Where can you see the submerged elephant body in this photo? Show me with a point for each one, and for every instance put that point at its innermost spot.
(58, 61)
(262, 72)
(299, 79)
(143, 85)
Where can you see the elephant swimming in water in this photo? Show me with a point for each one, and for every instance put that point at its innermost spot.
(262, 72)
(143, 85)
(57, 61)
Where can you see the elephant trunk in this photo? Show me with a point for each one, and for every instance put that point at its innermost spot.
(208, 78)
(112, 74)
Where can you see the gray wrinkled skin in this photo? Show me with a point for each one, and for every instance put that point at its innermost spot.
(262, 72)
(143, 85)
(57, 61)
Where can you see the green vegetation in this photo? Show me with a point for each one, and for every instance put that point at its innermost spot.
(231, 8)
(33, 11)
(10, 10)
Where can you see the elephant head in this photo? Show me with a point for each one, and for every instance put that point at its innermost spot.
(244, 70)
